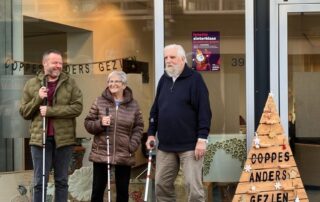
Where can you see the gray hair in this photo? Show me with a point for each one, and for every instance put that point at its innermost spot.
(48, 52)
(180, 51)
(121, 74)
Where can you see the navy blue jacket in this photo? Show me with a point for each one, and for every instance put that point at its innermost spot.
(181, 112)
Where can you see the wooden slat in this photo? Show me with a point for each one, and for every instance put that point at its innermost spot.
(277, 149)
(271, 173)
(277, 140)
(270, 165)
(269, 118)
(245, 188)
(291, 196)
(267, 128)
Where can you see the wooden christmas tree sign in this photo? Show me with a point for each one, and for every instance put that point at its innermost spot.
(270, 172)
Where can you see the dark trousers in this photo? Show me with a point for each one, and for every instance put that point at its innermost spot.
(100, 180)
(58, 159)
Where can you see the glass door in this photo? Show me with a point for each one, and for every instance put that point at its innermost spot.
(295, 79)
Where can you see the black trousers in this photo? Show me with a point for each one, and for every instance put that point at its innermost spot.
(100, 180)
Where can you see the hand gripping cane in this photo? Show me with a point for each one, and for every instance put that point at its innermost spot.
(148, 171)
(108, 158)
(44, 83)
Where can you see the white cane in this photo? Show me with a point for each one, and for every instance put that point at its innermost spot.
(148, 171)
(108, 159)
(44, 145)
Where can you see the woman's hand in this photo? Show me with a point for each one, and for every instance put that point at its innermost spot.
(105, 120)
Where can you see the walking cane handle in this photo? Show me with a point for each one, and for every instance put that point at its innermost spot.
(151, 143)
(44, 84)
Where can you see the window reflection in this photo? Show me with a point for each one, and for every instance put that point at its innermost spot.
(95, 38)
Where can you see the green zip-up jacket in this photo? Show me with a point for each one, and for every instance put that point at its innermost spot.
(66, 106)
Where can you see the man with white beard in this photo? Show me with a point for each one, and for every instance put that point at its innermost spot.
(181, 118)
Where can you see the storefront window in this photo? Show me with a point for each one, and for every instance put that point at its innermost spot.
(213, 35)
(99, 36)
(95, 38)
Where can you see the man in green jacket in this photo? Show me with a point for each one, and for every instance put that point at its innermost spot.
(63, 104)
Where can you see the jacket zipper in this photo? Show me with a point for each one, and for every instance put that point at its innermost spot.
(54, 100)
(171, 88)
(54, 94)
(114, 134)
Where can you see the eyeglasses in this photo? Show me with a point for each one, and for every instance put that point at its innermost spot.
(114, 81)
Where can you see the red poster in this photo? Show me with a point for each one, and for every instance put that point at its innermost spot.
(206, 51)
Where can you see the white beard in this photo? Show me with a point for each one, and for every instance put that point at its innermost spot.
(172, 71)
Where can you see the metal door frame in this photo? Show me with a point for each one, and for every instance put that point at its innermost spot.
(279, 49)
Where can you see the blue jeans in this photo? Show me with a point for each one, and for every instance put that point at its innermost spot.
(59, 160)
